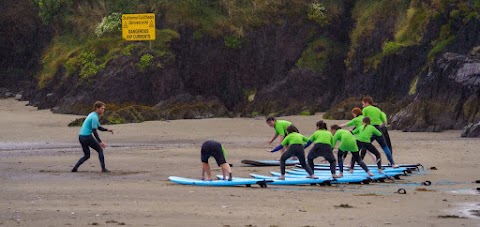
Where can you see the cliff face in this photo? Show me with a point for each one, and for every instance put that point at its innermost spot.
(203, 66)
(448, 97)
(447, 93)
(23, 39)
(289, 63)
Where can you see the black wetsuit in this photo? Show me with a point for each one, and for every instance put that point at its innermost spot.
(213, 149)
(324, 150)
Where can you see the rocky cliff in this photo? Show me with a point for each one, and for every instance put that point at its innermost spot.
(277, 58)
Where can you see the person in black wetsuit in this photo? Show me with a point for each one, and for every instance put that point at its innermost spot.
(211, 148)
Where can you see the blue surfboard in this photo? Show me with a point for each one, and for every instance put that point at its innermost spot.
(234, 182)
(400, 171)
(345, 175)
(269, 162)
(407, 166)
(295, 180)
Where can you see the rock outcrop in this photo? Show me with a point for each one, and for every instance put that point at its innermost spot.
(448, 96)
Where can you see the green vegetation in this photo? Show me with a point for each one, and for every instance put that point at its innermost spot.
(317, 54)
(412, 18)
(438, 48)
(413, 86)
(110, 24)
(413, 27)
(218, 18)
(367, 14)
(87, 33)
(145, 61)
(49, 9)
(233, 42)
(305, 113)
(88, 64)
(317, 13)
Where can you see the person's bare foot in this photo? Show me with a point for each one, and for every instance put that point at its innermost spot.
(312, 176)
(281, 178)
(370, 173)
(380, 171)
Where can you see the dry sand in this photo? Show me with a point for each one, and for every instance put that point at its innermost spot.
(38, 150)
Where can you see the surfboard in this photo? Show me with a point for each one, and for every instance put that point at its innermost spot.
(407, 166)
(296, 180)
(376, 177)
(234, 182)
(293, 181)
(373, 170)
(269, 162)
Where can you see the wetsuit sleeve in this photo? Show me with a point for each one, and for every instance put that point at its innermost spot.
(102, 129)
(277, 148)
(95, 133)
(308, 143)
(356, 130)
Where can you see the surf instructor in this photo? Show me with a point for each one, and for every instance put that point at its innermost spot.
(87, 140)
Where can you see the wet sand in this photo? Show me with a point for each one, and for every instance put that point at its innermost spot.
(38, 150)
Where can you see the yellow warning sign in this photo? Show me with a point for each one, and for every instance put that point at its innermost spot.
(136, 27)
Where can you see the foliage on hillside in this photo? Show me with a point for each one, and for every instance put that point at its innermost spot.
(87, 33)
(412, 18)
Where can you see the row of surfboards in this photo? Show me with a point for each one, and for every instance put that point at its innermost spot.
(298, 176)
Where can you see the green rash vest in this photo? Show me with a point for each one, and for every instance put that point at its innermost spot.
(347, 140)
(281, 127)
(365, 133)
(357, 122)
(294, 138)
(224, 153)
(322, 136)
(375, 115)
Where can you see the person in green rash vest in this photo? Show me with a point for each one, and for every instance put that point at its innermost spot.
(280, 127)
(356, 122)
(348, 143)
(295, 142)
(357, 119)
(364, 142)
(377, 120)
(211, 148)
(323, 143)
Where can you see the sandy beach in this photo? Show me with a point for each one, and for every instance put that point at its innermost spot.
(38, 150)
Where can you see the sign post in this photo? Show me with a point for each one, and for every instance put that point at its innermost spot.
(138, 27)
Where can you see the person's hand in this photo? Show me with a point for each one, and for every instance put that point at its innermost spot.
(269, 142)
(269, 151)
(111, 130)
(103, 145)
